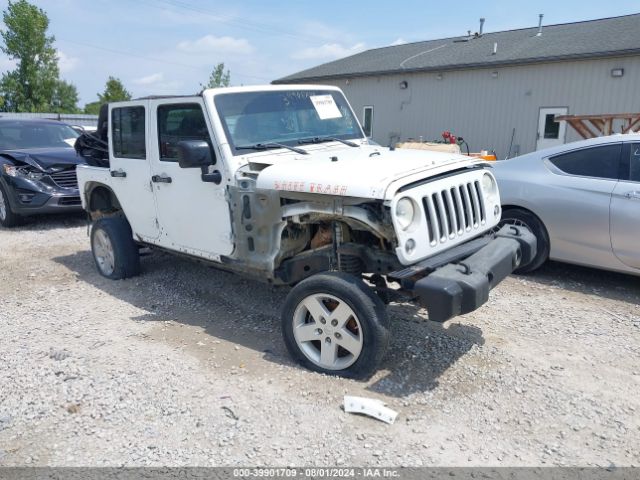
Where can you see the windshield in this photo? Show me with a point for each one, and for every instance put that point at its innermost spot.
(291, 117)
(15, 135)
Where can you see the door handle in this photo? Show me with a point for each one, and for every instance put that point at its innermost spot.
(632, 195)
(160, 179)
(118, 173)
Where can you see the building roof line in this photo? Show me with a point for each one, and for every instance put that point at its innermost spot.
(578, 40)
(486, 34)
(475, 66)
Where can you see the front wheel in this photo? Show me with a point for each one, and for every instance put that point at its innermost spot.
(7, 217)
(334, 323)
(114, 251)
(524, 218)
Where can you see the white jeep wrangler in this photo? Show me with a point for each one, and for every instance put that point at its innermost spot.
(280, 183)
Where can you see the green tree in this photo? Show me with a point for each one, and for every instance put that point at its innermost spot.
(114, 91)
(218, 78)
(65, 98)
(31, 87)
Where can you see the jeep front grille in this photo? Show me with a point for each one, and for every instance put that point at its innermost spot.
(450, 210)
(65, 178)
(453, 211)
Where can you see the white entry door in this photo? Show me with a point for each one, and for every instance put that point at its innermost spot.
(550, 132)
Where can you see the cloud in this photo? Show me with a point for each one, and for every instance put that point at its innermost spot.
(328, 51)
(157, 84)
(211, 43)
(149, 79)
(398, 41)
(66, 63)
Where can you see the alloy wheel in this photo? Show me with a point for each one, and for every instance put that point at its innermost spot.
(328, 331)
(103, 252)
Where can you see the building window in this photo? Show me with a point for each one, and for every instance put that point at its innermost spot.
(179, 122)
(597, 162)
(551, 127)
(128, 132)
(367, 121)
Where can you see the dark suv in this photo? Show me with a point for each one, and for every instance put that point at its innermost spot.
(37, 169)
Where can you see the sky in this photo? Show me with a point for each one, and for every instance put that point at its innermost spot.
(166, 47)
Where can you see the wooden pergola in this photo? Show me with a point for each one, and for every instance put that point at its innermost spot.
(603, 124)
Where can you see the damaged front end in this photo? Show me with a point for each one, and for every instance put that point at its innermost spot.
(40, 182)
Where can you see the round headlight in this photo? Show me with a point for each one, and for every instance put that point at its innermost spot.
(405, 212)
(488, 184)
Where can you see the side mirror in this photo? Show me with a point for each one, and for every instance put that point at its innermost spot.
(194, 154)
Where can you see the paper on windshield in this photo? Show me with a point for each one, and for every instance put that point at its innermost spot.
(326, 106)
(70, 141)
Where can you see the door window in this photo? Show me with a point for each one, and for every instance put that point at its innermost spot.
(598, 162)
(634, 165)
(128, 132)
(551, 127)
(367, 121)
(179, 122)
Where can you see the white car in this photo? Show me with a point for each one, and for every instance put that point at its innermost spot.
(279, 183)
(581, 200)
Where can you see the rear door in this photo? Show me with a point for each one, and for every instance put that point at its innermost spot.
(130, 169)
(194, 215)
(625, 209)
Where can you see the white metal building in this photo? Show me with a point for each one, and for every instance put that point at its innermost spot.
(500, 90)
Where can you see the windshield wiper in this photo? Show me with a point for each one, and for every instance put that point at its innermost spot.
(268, 146)
(326, 139)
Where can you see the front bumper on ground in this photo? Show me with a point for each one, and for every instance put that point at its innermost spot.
(28, 197)
(463, 284)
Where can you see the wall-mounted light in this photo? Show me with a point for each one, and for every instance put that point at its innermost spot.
(403, 85)
(494, 74)
(439, 76)
(617, 72)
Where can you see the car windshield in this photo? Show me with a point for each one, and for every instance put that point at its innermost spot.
(253, 120)
(15, 135)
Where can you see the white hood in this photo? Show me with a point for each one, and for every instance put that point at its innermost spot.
(365, 172)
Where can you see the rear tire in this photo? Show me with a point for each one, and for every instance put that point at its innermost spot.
(334, 323)
(517, 216)
(114, 251)
(8, 218)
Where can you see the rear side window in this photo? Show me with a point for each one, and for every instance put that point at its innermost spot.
(179, 122)
(128, 132)
(634, 170)
(598, 162)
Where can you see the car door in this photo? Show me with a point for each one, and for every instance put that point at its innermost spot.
(194, 215)
(625, 209)
(577, 203)
(130, 169)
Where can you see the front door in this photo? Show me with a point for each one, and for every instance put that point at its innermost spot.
(194, 215)
(579, 226)
(625, 211)
(130, 169)
(550, 132)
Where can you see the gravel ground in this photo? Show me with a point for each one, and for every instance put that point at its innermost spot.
(184, 365)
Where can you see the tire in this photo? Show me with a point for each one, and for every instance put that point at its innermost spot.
(8, 218)
(517, 216)
(114, 251)
(352, 343)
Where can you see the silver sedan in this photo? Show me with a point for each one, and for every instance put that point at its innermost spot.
(581, 200)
